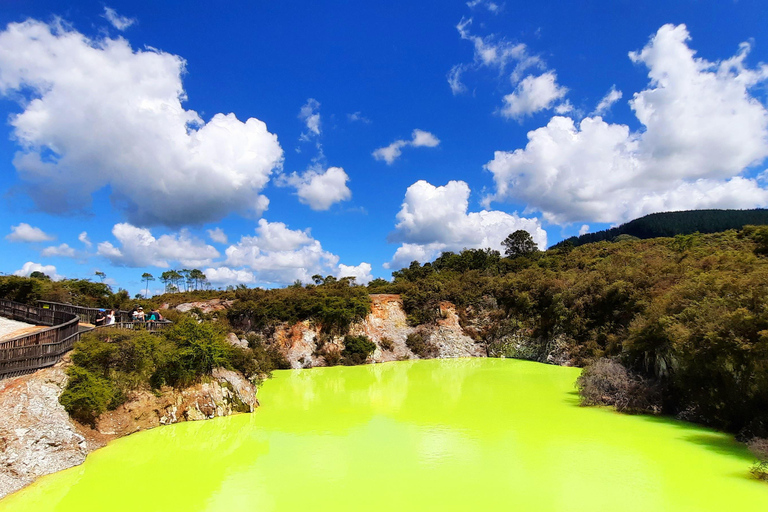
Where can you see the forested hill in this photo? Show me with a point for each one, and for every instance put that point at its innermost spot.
(669, 224)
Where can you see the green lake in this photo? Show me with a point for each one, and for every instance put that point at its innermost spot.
(443, 435)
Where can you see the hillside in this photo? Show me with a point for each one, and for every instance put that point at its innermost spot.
(668, 224)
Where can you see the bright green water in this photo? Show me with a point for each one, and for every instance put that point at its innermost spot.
(445, 435)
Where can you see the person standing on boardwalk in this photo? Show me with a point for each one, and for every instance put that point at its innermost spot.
(101, 317)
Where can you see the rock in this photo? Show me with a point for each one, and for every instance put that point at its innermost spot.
(38, 437)
(233, 340)
(207, 306)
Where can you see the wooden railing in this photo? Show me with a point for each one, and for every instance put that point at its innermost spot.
(30, 352)
(87, 315)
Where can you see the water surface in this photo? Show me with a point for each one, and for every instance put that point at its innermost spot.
(447, 435)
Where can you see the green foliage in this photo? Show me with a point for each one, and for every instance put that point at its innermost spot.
(357, 349)
(109, 364)
(86, 396)
(420, 346)
(519, 243)
(334, 304)
(670, 224)
(80, 292)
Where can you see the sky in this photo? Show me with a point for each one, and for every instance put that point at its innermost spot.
(266, 142)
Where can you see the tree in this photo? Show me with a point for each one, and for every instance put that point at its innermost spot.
(39, 275)
(147, 277)
(101, 275)
(198, 277)
(519, 243)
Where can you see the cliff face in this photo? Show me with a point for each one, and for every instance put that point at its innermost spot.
(37, 436)
(303, 343)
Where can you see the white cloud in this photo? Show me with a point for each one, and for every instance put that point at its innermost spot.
(584, 229)
(419, 138)
(83, 237)
(491, 6)
(119, 22)
(218, 235)
(607, 102)
(97, 113)
(321, 189)
(361, 272)
(60, 250)
(533, 94)
(139, 248)
(310, 116)
(225, 276)
(358, 116)
(280, 255)
(492, 52)
(26, 233)
(30, 267)
(701, 129)
(434, 219)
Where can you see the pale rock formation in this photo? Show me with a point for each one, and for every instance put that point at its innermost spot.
(37, 436)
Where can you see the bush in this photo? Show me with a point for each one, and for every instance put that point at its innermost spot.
(357, 349)
(420, 346)
(86, 396)
(759, 448)
(607, 382)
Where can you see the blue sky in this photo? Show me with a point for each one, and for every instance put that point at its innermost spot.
(267, 142)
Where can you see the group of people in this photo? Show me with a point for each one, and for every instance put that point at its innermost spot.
(104, 317)
(139, 315)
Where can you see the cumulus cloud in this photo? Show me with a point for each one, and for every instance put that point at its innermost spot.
(419, 138)
(584, 229)
(361, 272)
(533, 94)
(321, 189)
(607, 102)
(60, 250)
(218, 235)
(98, 113)
(702, 129)
(139, 248)
(83, 237)
(280, 255)
(435, 219)
(30, 267)
(119, 22)
(225, 276)
(26, 233)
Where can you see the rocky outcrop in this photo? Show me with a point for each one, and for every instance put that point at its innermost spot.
(449, 337)
(304, 344)
(206, 306)
(37, 436)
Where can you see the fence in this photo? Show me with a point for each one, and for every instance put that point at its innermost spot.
(30, 352)
(87, 315)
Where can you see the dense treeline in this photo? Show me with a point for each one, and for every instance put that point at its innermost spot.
(669, 224)
(688, 314)
(80, 292)
(333, 303)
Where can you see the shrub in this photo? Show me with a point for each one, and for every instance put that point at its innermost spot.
(386, 344)
(420, 346)
(607, 382)
(86, 396)
(759, 448)
(357, 349)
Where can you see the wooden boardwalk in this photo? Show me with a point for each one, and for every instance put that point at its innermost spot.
(62, 326)
(29, 352)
